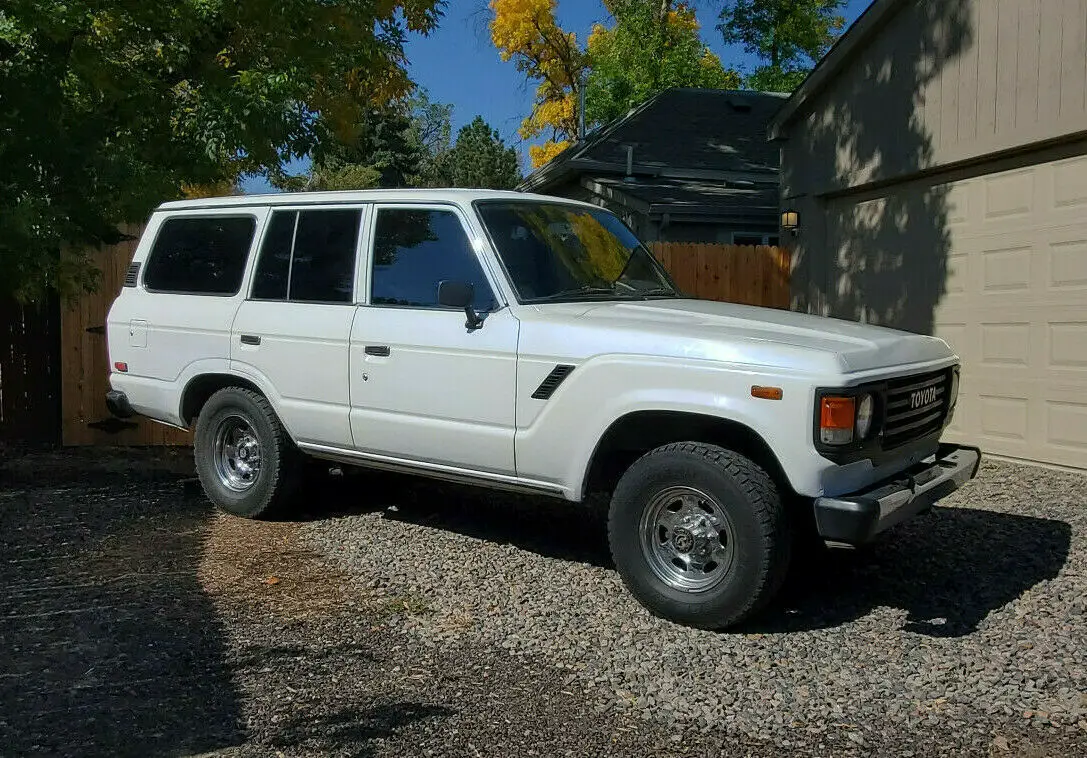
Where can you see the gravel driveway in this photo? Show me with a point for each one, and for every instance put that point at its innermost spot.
(408, 618)
(966, 630)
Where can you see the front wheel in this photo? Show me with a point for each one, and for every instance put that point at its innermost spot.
(699, 534)
(244, 457)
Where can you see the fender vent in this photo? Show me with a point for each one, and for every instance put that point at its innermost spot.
(551, 382)
(132, 275)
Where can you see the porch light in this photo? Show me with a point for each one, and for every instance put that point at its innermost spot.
(790, 221)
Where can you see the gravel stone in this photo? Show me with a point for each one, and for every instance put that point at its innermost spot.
(955, 623)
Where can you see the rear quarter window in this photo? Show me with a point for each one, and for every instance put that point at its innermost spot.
(200, 256)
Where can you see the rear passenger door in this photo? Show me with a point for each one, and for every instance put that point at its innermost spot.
(424, 388)
(292, 333)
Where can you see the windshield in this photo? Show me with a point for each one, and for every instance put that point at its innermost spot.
(558, 252)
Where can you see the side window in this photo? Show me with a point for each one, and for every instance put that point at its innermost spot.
(200, 256)
(308, 256)
(414, 250)
(274, 263)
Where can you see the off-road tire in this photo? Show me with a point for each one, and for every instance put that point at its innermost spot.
(280, 460)
(759, 519)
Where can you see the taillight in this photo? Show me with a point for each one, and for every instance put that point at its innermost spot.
(837, 417)
(121, 366)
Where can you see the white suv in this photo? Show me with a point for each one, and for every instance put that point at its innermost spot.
(519, 342)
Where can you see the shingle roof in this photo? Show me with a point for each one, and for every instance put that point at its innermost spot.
(692, 197)
(682, 128)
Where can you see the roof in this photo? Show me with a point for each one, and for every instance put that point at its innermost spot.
(690, 197)
(674, 132)
(357, 196)
(863, 29)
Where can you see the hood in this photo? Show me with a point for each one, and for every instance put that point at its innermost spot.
(748, 334)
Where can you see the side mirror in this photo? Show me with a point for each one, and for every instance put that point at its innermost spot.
(460, 295)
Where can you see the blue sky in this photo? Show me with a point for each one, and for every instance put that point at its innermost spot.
(459, 65)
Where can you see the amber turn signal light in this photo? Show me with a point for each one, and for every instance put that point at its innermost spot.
(837, 416)
(767, 393)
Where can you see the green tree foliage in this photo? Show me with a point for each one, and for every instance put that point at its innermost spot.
(385, 152)
(108, 107)
(432, 130)
(653, 45)
(789, 36)
(480, 158)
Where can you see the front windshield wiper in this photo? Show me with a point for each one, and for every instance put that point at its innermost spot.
(586, 290)
(659, 292)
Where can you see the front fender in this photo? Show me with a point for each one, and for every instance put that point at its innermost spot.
(559, 443)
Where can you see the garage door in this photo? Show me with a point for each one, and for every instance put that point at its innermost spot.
(1013, 303)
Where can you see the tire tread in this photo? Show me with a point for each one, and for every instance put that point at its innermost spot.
(769, 511)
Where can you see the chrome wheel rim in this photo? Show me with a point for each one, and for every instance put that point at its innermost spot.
(237, 454)
(687, 539)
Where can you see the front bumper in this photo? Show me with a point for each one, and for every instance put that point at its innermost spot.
(856, 519)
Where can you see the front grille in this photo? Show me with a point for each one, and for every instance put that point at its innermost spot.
(916, 407)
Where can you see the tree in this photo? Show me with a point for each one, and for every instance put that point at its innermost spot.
(790, 36)
(527, 32)
(111, 106)
(480, 158)
(431, 130)
(385, 152)
(653, 45)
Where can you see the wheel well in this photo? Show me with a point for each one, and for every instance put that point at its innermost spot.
(635, 434)
(200, 389)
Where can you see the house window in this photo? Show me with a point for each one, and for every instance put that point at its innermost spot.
(754, 238)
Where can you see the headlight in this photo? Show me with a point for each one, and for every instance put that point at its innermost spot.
(865, 411)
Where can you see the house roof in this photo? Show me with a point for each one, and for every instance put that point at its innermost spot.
(863, 29)
(684, 197)
(680, 132)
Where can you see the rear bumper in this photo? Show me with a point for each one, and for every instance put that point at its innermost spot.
(857, 518)
(118, 404)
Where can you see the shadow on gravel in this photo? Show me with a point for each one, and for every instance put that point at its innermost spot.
(353, 729)
(546, 526)
(109, 645)
(948, 570)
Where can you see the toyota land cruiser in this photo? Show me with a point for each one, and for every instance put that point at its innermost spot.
(521, 342)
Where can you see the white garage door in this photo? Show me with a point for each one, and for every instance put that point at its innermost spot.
(1015, 309)
(1014, 300)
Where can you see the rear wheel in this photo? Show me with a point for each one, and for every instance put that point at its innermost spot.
(244, 458)
(699, 534)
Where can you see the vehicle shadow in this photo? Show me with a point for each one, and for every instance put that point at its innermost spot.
(947, 569)
(352, 728)
(546, 526)
(110, 646)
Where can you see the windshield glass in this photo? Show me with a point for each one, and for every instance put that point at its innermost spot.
(567, 252)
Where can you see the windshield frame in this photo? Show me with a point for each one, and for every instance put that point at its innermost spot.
(572, 298)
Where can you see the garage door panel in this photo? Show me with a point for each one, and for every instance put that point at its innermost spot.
(1014, 308)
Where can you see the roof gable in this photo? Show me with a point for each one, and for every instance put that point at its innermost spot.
(704, 130)
(856, 36)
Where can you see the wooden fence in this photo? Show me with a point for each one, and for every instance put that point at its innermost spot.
(729, 273)
(54, 371)
(85, 420)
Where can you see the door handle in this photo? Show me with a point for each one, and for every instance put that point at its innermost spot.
(379, 350)
(250, 339)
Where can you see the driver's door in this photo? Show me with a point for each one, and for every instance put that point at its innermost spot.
(423, 386)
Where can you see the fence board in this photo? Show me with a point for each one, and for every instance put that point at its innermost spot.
(729, 273)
